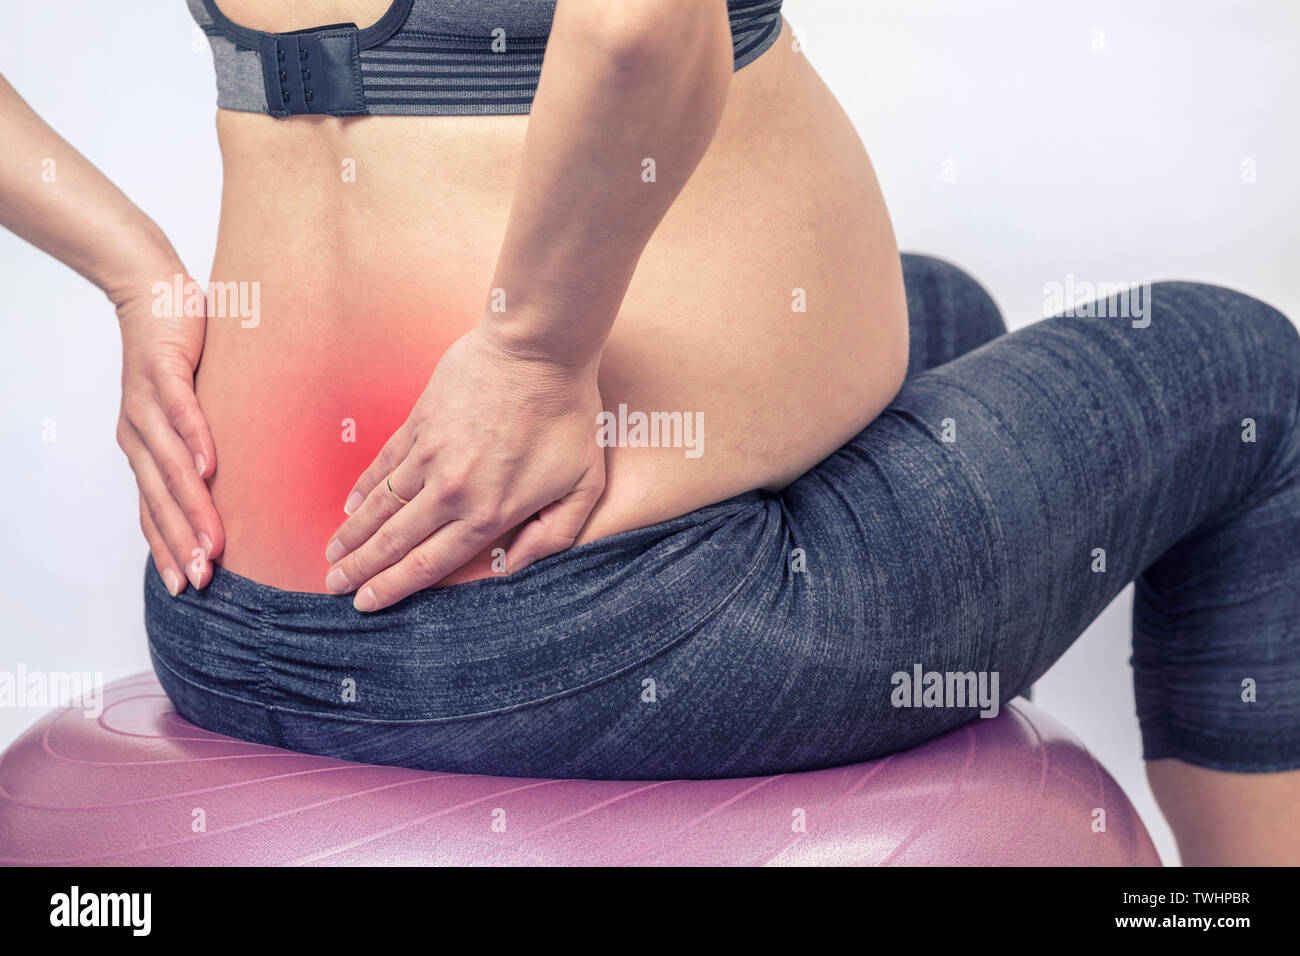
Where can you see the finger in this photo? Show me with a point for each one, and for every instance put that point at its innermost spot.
(163, 561)
(393, 540)
(379, 506)
(554, 529)
(181, 406)
(395, 451)
(175, 467)
(424, 566)
(178, 535)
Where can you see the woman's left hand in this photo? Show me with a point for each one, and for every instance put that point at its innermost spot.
(495, 440)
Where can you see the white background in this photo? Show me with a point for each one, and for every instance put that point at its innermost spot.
(1010, 136)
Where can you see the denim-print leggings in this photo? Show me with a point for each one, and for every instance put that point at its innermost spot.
(966, 537)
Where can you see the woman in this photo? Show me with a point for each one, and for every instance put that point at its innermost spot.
(643, 490)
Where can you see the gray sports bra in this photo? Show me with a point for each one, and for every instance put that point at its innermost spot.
(423, 57)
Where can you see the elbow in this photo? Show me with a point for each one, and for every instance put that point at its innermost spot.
(637, 40)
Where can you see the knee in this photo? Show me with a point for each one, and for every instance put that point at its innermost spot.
(1239, 319)
(937, 287)
(1253, 350)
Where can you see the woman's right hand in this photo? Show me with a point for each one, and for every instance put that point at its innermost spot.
(164, 434)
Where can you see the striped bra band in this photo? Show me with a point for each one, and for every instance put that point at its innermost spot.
(421, 58)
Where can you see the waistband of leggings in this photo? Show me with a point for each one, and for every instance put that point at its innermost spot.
(676, 570)
(548, 576)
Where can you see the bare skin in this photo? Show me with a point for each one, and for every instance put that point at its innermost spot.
(784, 198)
(1229, 819)
(368, 284)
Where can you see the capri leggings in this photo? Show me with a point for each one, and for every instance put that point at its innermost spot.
(966, 537)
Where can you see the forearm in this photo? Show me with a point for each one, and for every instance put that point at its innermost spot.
(628, 101)
(53, 197)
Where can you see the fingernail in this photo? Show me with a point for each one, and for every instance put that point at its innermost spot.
(200, 463)
(193, 575)
(172, 581)
(205, 543)
(335, 551)
(365, 601)
(336, 581)
(353, 502)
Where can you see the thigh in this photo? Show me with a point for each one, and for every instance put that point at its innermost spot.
(1006, 497)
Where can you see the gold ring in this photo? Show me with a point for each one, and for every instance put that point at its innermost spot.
(389, 482)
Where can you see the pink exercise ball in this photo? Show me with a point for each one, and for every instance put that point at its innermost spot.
(140, 785)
